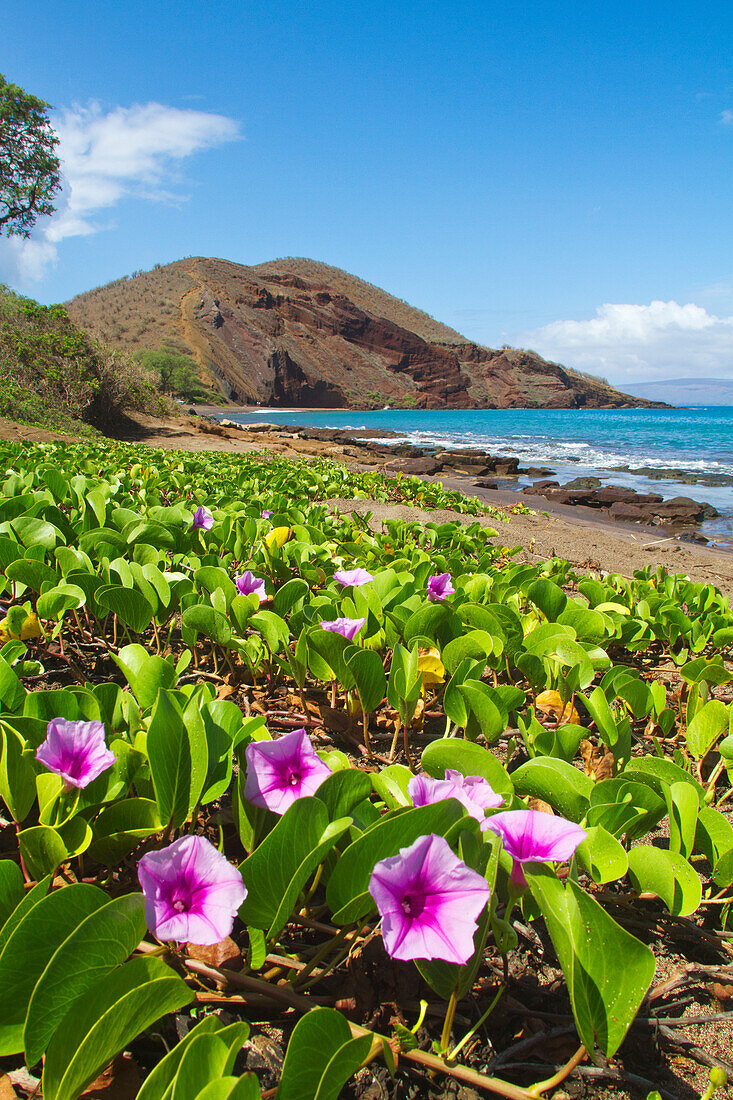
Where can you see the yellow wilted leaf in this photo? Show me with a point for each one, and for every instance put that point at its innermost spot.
(549, 702)
(31, 628)
(430, 667)
(277, 537)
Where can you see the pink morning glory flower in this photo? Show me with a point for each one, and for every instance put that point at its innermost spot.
(248, 584)
(429, 902)
(267, 513)
(471, 791)
(76, 751)
(203, 518)
(348, 628)
(192, 893)
(352, 578)
(530, 836)
(440, 587)
(279, 772)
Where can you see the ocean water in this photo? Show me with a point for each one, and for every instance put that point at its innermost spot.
(572, 443)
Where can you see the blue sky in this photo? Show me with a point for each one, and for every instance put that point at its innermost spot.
(546, 174)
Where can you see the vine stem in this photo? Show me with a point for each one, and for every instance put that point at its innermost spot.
(448, 1022)
(559, 1077)
(288, 996)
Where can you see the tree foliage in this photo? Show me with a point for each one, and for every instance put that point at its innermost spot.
(29, 167)
(53, 373)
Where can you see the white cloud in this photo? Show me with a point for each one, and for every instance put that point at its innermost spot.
(106, 156)
(726, 117)
(638, 342)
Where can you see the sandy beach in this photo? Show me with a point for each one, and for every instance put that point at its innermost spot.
(574, 533)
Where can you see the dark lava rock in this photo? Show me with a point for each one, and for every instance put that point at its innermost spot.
(537, 488)
(583, 483)
(486, 483)
(419, 466)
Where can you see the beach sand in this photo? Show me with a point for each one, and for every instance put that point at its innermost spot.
(574, 533)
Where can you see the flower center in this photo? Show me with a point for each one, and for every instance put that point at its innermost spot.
(294, 779)
(180, 906)
(413, 904)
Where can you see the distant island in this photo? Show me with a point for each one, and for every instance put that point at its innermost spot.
(299, 333)
(685, 391)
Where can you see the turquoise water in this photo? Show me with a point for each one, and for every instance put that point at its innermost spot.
(571, 442)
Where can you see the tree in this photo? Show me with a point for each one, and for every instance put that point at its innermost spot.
(29, 167)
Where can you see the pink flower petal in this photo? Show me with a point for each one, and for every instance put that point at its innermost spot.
(348, 628)
(534, 837)
(439, 586)
(248, 585)
(75, 750)
(279, 772)
(429, 901)
(192, 893)
(352, 578)
(471, 791)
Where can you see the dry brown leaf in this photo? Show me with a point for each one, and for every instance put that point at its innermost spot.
(225, 953)
(597, 764)
(225, 690)
(542, 807)
(119, 1081)
(337, 721)
(550, 702)
(7, 1092)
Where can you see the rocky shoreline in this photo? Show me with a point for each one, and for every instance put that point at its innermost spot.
(679, 515)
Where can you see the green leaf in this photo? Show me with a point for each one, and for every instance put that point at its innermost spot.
(207, 1058)
(55, 602)
(602, 855)
(347, 892)
(482, 706)
(43, 849)
(273, 629)
(21, 910)
(95, 947)
(683, 806)
(128, 604)
(660, 772)
(711, 722)
(367, 669)
(36, 532)
(291, 593)
(211, 577)
(713, 834)
(276, 872)
(590, 945)
(548, 596)
(119, 828)
(157, 1084)
(426, 622)
(29, 948)
(475, 645)
(557, 782)
(201, 618)
(171, 755)
(145, 673)
(321, 1056)
(11, 888)
(111, 1014)
(342, 791)
(17, 774)
(723, 870)
(31, 573)
(668, 875)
